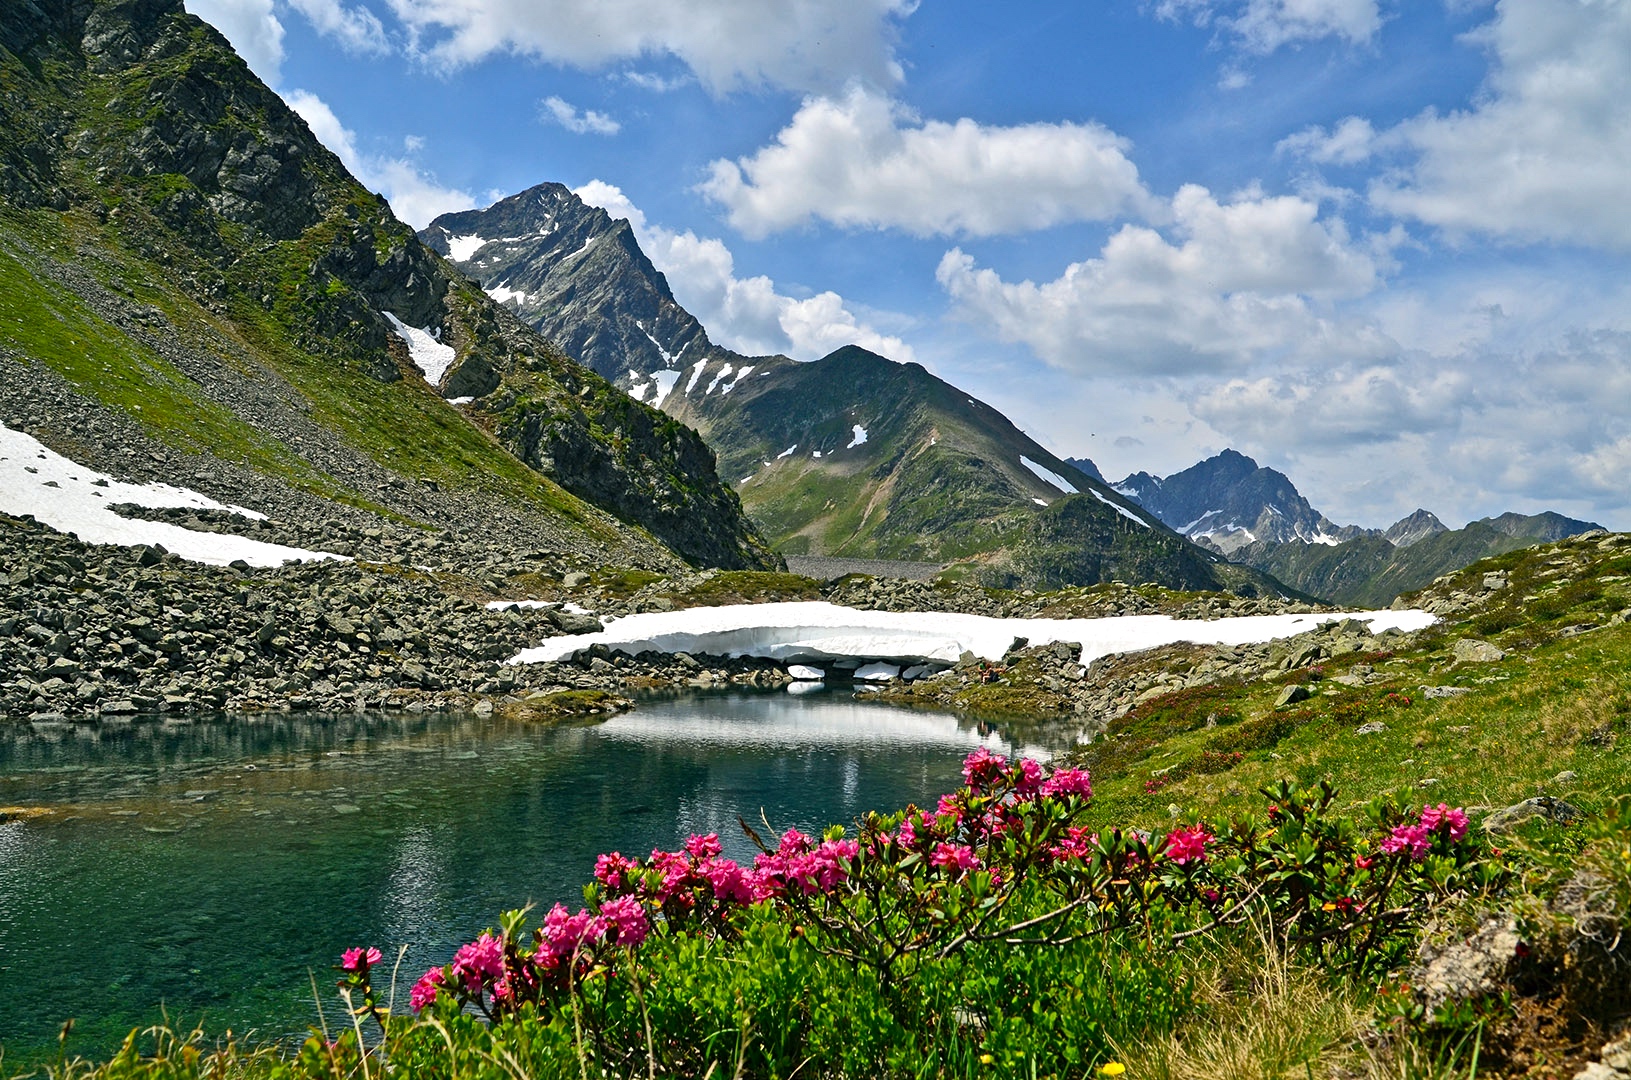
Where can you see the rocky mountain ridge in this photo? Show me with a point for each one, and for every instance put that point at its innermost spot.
(180, 256)
(851, 455)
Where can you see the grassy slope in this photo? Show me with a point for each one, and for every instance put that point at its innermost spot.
(1560, 701)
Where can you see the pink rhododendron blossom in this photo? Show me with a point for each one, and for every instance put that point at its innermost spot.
(704, 846)
(609, 869)
(565, 934)
(982, 767)
(1069, 781)
(1414, 840)
(1028, 776)
(627, 920)
(950, 804)
(957, 858)
(424, 991)
(359, 959)
(728, 880)
(483, 957)
(1184, 845)
(1454, 822)
(1077, 844)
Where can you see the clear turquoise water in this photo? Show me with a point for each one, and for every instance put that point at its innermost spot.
(211, 868)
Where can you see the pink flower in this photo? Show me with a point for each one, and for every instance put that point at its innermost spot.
(704, 847)
(609, 869)
(982, 767)
(565, 934)
(1414, 840)
(482, 957)
(794, 843)
(1069, 781)
(954, 857)
(728, 880)
(628, 920)
(1028, 776)
(1454, 822)
(424, 991)
(359, 959)
(1184, 845)
(950, 804)
(1077, 844)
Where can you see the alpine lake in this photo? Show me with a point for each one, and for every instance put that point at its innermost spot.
(209, 871)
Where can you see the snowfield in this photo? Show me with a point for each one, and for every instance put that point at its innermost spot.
(816, 632)
(74, 499)
(429, 355)
(1048, 476)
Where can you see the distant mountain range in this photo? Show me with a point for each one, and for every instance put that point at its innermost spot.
(1257, 517)
(851, 455)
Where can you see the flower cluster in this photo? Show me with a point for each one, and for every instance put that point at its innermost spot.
(1417, 840)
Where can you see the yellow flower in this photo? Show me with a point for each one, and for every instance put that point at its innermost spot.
(986, 1059)
(1112, 1068)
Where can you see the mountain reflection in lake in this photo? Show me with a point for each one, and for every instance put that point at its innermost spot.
(208, 866)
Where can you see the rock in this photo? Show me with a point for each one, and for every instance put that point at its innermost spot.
(1546, 806)
(1473, 651)
(1567, 776)
(1468, 968)
(575, 579)
(1374, 727)
(1445, 691)
(1291, 695)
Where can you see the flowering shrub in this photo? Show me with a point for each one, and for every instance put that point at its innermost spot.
(918, 908)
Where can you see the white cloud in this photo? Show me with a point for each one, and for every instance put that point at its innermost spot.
(863, 162)
(413, 194)
(355, 28)
(1350, 142)
(253, 29)
(587, 122)
(657, 84)
(1245, 280)
(745, 314)
(1544, 153)
(1266, 25)
(808, 45)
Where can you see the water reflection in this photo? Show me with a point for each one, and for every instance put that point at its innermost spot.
(213, 866)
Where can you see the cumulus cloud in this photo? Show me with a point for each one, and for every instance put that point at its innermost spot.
(587, 122)
(745, 314)
(356, 28)
(1350, 142)
(1265, 25)
(862, 161)
(253, 29)
(805, 45)
(1544, 152)
(1246, 278)
(414, 195)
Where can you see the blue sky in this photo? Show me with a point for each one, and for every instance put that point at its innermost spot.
(1382, 246)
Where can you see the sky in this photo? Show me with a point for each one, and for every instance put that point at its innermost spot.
(1380, 246)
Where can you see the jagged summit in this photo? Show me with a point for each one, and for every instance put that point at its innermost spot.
(190, 261)
(1229, 501)
(1413, 528)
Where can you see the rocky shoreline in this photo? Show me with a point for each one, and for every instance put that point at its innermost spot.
(410, 620)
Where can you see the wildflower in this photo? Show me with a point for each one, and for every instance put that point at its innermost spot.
(359, 959)
(1112, 1068)
(1069, 781)
(1414, 840)
(565, 934)
(950, 804)
(954, 857)
(703, 847)
(1364, 862)
(1454, 822)
(627, 919)
(424, 991)
(1028, 776)
(609, 869)
(982, 766)
(482, 957)
(1184, 845)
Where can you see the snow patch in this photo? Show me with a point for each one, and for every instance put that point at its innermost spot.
(819, 632)
(504, 294)
(1040, 502)
(460, 400)
(815, 453)
(786, 452)
(665, 381)
(806, 673)
(70, 498)
(724, 371)
(740, 375)
(858, 438)
(876, 672)
(1048, 476)
(696, 373)
(429, 355)
(1122, 510)
(1129, 491)
(460, 248)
